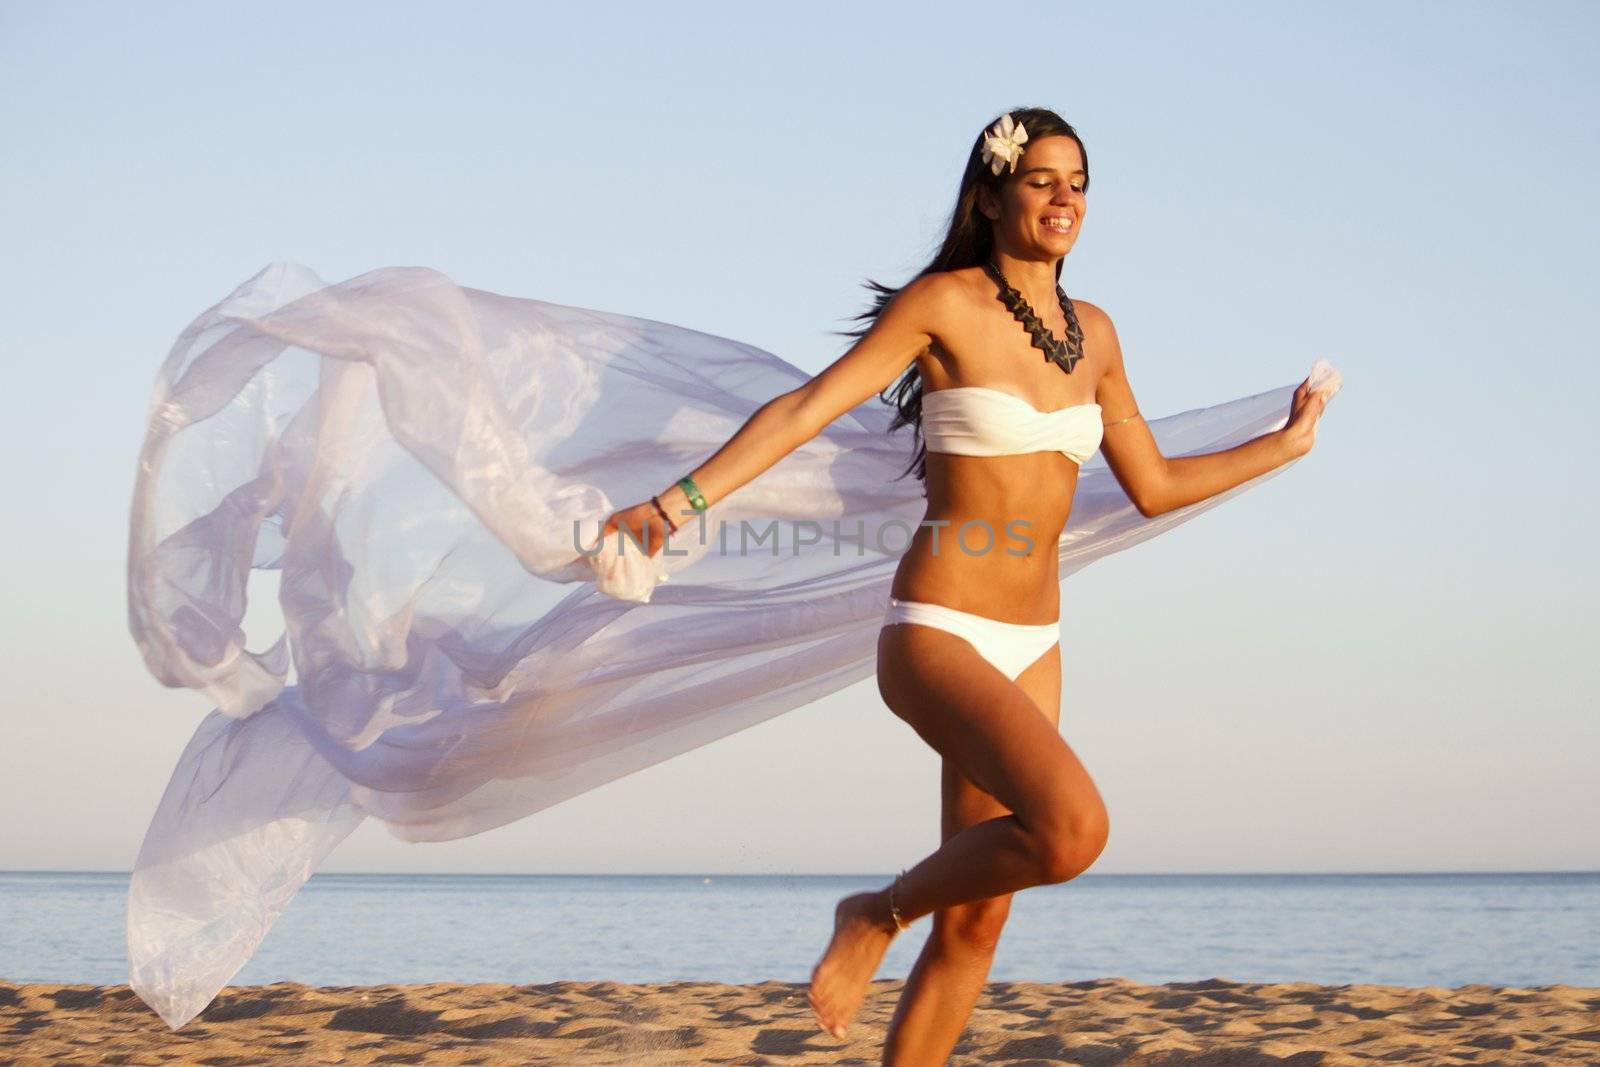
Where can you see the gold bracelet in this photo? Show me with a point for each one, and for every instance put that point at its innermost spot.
(1135, 415)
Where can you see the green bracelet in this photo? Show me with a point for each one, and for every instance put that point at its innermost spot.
(692, 491)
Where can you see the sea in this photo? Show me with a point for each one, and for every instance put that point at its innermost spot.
(1516, 929)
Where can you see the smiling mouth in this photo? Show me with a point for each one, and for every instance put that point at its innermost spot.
(1061, 224)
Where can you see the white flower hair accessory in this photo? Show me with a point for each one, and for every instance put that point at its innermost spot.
(1003, 146)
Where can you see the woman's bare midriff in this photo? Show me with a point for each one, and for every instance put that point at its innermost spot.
(988, 541)
(1017, 578)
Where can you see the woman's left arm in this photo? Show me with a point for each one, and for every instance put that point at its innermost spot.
(1157, 484)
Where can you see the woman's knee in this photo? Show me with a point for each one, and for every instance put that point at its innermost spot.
(973, 928)
(1069, 846)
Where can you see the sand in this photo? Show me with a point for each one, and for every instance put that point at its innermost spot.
(1109, 1021)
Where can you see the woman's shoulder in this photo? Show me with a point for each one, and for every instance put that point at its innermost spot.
(945, 290)
(934, 296)
(1088, 309)
(1092, 317)
(1099, 333)
(939, 282)
(961, 279)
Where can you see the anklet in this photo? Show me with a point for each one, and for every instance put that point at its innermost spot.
(894, 912)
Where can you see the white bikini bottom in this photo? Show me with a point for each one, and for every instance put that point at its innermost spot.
(1011, 646)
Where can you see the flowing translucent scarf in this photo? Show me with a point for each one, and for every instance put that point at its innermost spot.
(412, 457)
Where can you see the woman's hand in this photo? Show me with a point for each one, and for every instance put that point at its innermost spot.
(1304, 410)
(644, 522)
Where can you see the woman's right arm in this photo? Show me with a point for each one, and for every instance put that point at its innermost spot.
(901, 332)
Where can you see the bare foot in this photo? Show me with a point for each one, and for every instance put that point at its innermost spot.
(861, 935)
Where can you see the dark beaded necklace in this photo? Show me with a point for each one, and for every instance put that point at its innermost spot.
(1063, 354)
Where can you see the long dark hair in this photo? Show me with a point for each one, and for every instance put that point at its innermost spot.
(968, 243)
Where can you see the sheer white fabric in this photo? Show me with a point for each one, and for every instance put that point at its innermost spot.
(411, 456)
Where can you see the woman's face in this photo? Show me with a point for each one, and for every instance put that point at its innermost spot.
(1039, 208)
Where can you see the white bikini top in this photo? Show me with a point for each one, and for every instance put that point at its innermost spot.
(972, 420)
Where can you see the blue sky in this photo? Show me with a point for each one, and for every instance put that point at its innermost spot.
(1381, 661)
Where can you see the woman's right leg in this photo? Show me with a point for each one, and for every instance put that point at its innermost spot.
(949, 975)
(992, 731)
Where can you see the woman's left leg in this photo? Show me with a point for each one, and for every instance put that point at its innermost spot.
(949, 975)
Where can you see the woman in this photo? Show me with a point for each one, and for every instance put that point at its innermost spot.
(411, 462)
(1014, 386)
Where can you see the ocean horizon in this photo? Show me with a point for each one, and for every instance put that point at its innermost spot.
(1419, 929)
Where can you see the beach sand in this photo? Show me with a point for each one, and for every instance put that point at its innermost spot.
(1109, 1021)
